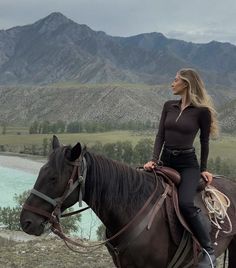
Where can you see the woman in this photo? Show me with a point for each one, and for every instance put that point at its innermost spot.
(180, 121)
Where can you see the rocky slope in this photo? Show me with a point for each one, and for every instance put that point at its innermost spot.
(116, 103)
(227, 116)
(111, 103)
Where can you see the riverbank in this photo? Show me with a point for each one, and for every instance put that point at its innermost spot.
(24, 162)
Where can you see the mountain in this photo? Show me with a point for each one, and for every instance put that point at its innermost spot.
(56, 49)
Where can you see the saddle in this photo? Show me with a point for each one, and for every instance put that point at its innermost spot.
(171, 173)
(173, 176)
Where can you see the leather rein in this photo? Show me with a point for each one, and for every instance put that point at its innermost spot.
(77, 180)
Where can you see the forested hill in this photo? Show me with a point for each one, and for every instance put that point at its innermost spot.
(56, 48)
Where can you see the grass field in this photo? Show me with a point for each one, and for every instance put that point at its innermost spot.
(85, 138)
(225, 146)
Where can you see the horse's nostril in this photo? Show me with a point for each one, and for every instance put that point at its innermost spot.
(26, 224)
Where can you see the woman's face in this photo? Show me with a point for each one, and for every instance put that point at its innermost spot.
(179, 86)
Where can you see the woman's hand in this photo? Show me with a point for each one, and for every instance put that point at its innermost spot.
(208, 177)
(149, 165)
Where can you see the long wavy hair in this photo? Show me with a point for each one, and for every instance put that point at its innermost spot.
(199, 97)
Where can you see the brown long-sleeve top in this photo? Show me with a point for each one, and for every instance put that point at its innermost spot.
(178, 129)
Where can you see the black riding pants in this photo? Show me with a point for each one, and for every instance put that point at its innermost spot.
(188, 167)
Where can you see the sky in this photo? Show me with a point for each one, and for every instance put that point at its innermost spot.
(199, 21)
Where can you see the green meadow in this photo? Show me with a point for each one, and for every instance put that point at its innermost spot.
(225, 146)
(67, 138)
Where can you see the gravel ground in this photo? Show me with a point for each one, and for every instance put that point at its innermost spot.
(49, 253)
(18, 250)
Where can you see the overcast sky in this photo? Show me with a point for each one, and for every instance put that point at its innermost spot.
(198, 21)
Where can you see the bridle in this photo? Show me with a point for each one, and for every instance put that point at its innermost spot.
(76, 180)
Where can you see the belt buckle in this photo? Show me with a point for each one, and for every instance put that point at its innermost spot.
(175, 152)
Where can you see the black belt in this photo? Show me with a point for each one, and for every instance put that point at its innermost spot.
(177, 152)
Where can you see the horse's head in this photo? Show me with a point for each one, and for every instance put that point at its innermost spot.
(54, 189)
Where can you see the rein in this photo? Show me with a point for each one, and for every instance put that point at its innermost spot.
(150, 218)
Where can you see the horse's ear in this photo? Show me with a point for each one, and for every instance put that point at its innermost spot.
(75, 152)
(55, 142)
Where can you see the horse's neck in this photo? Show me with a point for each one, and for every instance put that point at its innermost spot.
(113, 216)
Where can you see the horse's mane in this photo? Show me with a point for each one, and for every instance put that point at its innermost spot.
(120, 186)
(117, 184)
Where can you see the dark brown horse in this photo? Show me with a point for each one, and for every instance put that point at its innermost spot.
(115, 192)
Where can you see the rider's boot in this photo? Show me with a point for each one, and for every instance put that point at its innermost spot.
(201, 230)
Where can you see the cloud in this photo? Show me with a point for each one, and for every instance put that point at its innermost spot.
(203, 35)
(197, 21)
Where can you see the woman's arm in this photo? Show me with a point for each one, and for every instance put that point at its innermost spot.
(205, 126)
(159, 141)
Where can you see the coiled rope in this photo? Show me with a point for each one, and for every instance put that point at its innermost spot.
(217, 204)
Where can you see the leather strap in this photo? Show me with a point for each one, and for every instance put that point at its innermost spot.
(182, 251)
(179, 151)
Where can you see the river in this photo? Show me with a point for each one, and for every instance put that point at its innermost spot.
(18, 174)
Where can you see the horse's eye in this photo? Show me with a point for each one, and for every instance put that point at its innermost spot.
(53, 179)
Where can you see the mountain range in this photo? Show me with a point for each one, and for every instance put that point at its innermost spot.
(58, 69)
(57, 49)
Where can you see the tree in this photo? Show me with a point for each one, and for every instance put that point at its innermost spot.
(61, 125)
(45, 146)
(101, 232)
(109, 150)
(9, 217)
(45, 127)
(127, 156)
(34, 128)
(33, 149)
(97, 148)
(218, 165)
(4, 128)
(118, 151)
(73, 127)
(143, 151)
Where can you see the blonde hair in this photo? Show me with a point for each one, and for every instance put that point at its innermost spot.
(199, 97)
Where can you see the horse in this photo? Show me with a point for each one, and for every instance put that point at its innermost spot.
(116, 192)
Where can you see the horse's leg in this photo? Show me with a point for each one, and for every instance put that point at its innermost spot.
(232, 251)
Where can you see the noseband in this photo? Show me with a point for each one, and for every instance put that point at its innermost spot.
(75, 180)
